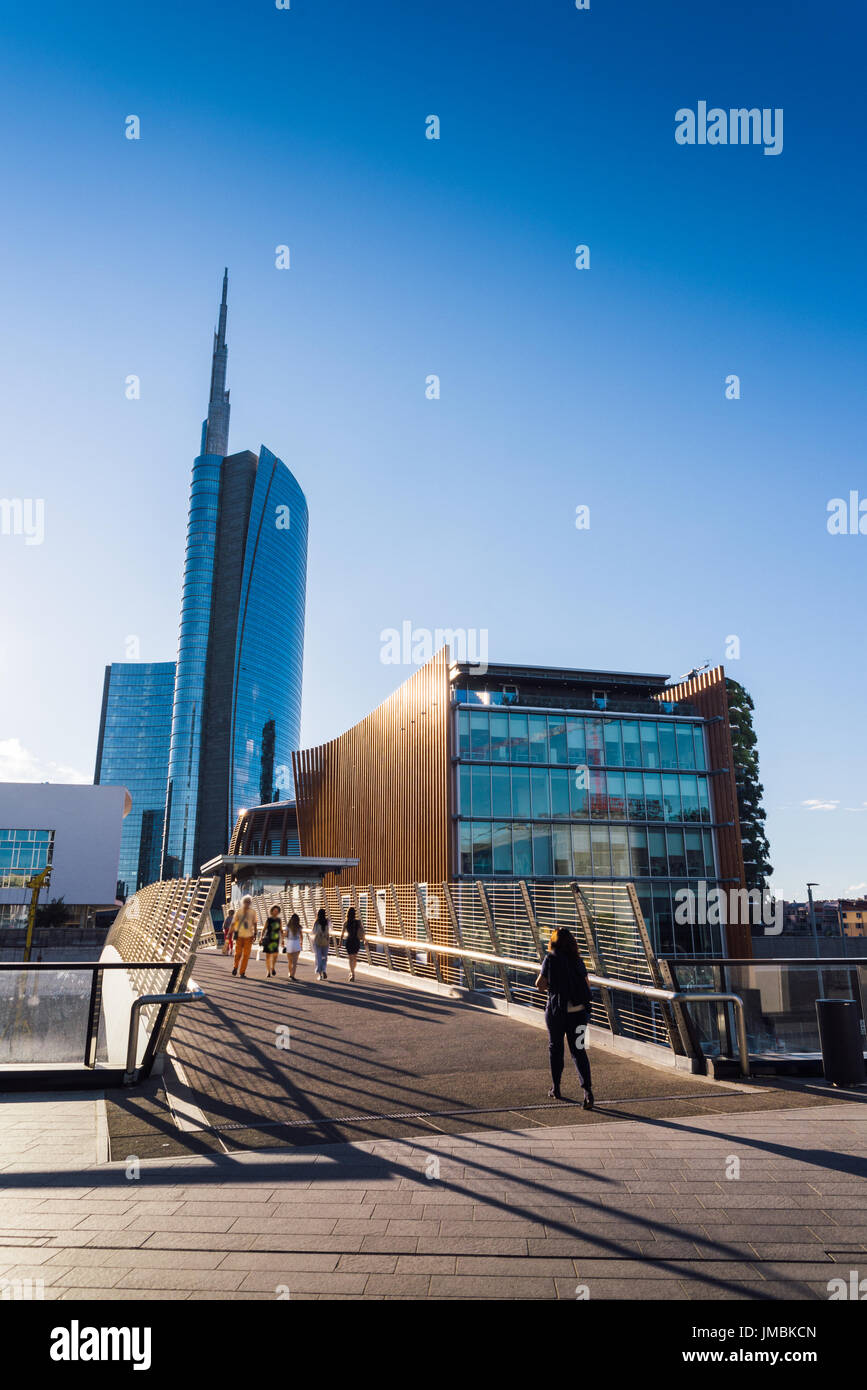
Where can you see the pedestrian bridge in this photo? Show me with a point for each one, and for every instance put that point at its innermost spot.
(445, 991)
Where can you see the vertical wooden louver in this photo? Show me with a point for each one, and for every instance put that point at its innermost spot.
(380, 793)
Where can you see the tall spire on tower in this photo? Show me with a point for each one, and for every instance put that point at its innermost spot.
(215, 436)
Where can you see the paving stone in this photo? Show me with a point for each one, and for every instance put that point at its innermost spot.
(626, 1289)
(254, 1261)
(522, 1265)
(213, 1279)
(368, 1264)
(426, 1264)
(441, 1245)
(115, 1294)
(217, 1225)
(88, 1277)
(300, 1281)
(138, 1259)
(416, 1285)
(196, 1240)
(488, 1287)
(327, 1244)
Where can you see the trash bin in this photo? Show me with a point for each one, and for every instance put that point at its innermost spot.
(841, 1042)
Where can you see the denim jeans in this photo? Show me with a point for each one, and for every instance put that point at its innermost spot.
(321, 954)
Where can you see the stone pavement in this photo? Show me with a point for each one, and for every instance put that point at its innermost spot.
(758, 1205)
(60, 1127)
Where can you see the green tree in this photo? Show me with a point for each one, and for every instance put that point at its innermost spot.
(750, 791)
(52, 914)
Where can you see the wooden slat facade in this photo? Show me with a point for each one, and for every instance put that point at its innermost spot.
(707, 691)
(381, 792)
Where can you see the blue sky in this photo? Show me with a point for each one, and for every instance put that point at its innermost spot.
(559, 387)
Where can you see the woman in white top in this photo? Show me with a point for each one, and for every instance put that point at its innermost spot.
(293, 943)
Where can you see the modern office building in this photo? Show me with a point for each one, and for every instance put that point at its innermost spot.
(536, 773)
(133, 752)
(77, 828)
(237, 701)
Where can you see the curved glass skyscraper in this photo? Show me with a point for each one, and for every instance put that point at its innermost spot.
(237, 704)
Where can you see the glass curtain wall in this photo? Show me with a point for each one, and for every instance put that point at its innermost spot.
(566, 796)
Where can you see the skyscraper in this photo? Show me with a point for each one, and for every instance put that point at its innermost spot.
(133, 752)
(237, 699)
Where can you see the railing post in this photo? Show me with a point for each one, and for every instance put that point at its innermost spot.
(458, 936)
(492, 930)
(596, 961)
(403, 932)
(93, 1011)
(422, 908)
(673, 1031)
(531, 918)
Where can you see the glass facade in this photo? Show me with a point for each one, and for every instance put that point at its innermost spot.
(133, 752)
(189, 694)
(560, 795)
(23, 853)
(237, 702)
(269, 652)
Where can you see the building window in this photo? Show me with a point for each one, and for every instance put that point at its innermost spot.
(541, 795)
(481, 791)
(23, 854)
(538, 739)
(502, 849)
(521, 791)
(542, 861)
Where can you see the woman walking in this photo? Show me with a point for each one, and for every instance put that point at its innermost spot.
(227, 931)
(354, 939)
(272, 939)
(321, 935)
(563, 978)
(246, 926)
(293, 944)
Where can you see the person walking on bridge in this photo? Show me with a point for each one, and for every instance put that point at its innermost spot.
(293, 944)
(321, 935)
(246, 926)
(353, 936)
(227, 931)
(272, 939)
(563, 978)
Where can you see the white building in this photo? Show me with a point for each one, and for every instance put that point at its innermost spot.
(78, 827)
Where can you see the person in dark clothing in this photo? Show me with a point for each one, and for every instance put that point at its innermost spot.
(272, 939)
(352, 938)
(563, 978)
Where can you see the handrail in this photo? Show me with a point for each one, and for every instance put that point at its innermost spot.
(820, 961)
(670, 996)
(87, 964)
(193, 996)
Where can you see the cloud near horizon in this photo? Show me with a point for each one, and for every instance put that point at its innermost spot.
(18, 764)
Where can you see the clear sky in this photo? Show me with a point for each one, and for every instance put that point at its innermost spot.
(603, 387)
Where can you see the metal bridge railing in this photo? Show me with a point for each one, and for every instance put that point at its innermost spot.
(490, 937)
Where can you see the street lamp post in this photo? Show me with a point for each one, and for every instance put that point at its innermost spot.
(810, 887)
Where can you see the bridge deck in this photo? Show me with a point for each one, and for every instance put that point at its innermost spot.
(376, 1059)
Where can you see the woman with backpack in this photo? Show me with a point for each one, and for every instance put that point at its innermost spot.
(352, 938)
(321, 935)
(563, 978)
